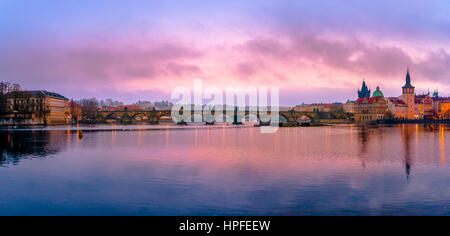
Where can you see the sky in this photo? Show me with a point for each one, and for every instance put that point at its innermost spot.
(314, 51)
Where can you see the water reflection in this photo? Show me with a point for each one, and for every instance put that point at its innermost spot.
(15, 146)
(342, 170)
(408, 131)
(441, 135)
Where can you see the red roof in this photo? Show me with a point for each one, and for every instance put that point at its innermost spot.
(421, 96)
(399, 102)
(370, 100)
(128, 107)
(419, 100)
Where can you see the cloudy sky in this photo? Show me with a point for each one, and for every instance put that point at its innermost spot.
(315, 51)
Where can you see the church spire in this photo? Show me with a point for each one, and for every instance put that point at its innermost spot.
(364, 92)
(408, 80)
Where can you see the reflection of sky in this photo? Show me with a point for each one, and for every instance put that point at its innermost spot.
(235, 171)
(314, 51)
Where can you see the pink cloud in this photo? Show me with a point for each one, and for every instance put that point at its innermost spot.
(297, 62)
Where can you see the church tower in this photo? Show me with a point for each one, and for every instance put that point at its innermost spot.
(364, 92)
(409, 96)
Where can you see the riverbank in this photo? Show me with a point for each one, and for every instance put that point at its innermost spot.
(335, 121)
(414, 122)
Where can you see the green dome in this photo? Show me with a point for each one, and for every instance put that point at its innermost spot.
(378, 93)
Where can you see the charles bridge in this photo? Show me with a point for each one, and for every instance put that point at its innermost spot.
(289, 117)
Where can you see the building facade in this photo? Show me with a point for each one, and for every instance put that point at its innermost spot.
(350, 107)
(445, 109)
(425, 108)
(372, 108)
(35, 108)
(317, 107)
(407, 106)
(397, 108)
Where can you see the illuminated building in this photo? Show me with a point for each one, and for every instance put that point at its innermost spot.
(408, 97)
(407, 106)
(350, 107)
(445, 109)
(35, 108)
(372, 108)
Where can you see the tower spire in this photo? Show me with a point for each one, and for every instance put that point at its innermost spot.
(364, 92)
(408, 80)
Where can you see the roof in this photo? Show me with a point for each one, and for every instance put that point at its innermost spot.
(129, 107)
(51, 94)
(397, 101)
(441, 99)
(378, 93)
(369, 100)
(37, 93)
(420, 98)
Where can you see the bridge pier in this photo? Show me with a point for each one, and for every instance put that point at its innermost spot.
(235, 119)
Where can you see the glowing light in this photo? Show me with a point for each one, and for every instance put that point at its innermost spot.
(441, 134)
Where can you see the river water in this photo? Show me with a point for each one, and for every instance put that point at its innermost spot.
(225, 170)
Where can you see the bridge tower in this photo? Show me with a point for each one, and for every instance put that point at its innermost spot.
(409, 96)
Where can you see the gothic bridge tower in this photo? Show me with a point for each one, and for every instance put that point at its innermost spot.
(409, 96)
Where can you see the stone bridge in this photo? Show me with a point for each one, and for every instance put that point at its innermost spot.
(290, 117)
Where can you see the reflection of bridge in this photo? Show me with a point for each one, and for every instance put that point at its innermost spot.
(290, 117)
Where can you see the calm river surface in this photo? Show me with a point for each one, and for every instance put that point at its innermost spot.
(336, 170)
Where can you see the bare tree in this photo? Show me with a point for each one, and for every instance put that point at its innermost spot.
(15, 88)
(5, 88)
(110, 103)
(89, 107)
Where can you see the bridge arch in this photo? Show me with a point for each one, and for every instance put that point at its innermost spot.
(196, 117)
(304, 119)
(282, 119)
(223, 118)
(164, 119)
(140, 117)
(125, 118)
(112, 118)
(251, 119)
